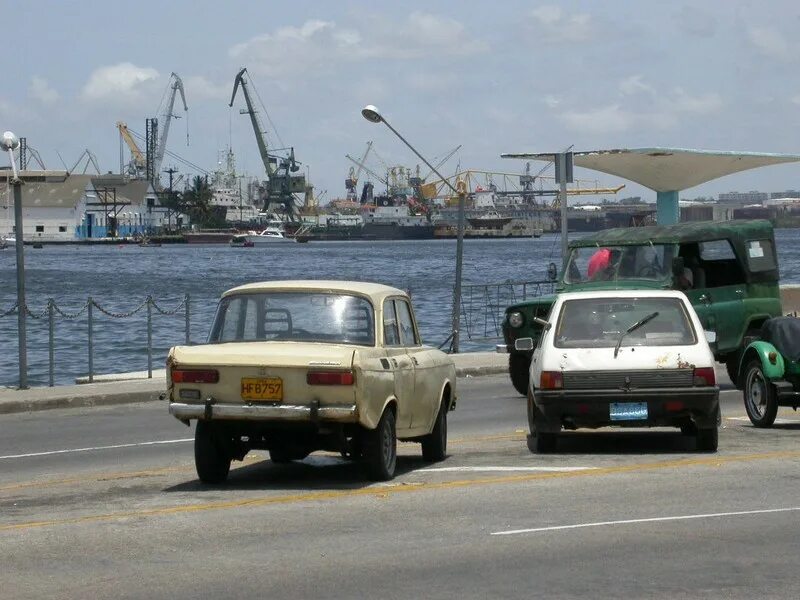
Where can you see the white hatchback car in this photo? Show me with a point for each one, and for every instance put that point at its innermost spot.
(622, 358)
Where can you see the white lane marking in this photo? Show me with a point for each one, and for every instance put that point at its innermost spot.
(92, 448)
(778, 421)
(489, 468)
(649, 520)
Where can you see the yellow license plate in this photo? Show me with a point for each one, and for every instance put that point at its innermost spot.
(262, 388)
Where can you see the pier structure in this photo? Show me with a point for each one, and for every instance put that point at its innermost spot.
(667, 171)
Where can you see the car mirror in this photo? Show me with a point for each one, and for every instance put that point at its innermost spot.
(539, 321)
(678, 265)
(523, 344)
(711, 337)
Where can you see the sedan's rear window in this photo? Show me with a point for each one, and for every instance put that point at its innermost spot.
(294, 316)
(599, 323)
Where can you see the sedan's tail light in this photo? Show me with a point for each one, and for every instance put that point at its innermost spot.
(551, 380)
(195, 376)
(705, 376)
(330, 378)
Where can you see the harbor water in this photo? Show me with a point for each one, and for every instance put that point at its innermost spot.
(119, 278)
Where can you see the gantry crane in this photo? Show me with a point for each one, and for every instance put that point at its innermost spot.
(282, 184)
(176, 85)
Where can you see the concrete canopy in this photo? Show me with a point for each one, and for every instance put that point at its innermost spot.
(668, 169)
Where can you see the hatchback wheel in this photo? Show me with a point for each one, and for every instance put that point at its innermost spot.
(707, 439)
(760, 402)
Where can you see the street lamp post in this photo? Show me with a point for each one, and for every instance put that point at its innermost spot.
(10, 142)
(373, 115)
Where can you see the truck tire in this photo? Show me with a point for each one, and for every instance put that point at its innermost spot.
(211, 458)
(519, 366)
(380, 448)
(434, 445)
(760, 402)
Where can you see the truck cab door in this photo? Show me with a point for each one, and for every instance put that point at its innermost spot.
(718, 293)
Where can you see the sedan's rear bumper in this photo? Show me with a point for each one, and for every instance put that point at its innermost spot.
(591, 408)
(264, 412)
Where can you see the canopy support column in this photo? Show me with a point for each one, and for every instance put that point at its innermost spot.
(668, 210)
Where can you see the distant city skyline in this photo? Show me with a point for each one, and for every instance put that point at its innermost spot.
(515, 77)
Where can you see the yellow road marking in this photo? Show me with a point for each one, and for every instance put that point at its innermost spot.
(385, 491)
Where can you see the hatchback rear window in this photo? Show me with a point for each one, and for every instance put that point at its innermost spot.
(599, 323)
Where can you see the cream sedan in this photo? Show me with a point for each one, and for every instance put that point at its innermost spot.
(298, 366)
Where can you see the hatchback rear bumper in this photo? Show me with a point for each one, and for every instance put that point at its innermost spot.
(591, 408)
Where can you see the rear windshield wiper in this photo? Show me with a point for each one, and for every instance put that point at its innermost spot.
(633, 327)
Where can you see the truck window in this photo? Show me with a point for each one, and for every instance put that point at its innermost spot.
(761, 255)
(719, 263)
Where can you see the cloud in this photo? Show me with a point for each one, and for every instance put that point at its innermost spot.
(634, 85)
(771, 43)
(695, 21)
(124, 81)
(601, 120)
(702, 104)
(41, 91)
(553, 24)
(197, 86)
(318, 45)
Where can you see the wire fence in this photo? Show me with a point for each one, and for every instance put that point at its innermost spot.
(483, 306)
(53, 312)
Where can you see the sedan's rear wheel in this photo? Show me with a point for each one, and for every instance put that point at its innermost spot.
(434, 445)
(211, 458)
(380, 448)
(760, 402)
(542, 443)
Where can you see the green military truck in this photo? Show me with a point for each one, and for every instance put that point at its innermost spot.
(727, 269)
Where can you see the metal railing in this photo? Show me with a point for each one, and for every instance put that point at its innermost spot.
(483, 306)
(53, 311)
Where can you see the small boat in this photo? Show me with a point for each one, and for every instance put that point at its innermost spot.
(273, 234)
(148, 243)
(241, 241)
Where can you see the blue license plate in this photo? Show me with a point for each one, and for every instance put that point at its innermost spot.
(628, 411)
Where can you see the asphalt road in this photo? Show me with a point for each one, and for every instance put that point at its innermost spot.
(104, 502)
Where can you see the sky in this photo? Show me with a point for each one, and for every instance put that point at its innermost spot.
(493, 77)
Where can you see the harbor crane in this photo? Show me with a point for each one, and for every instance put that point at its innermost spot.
(351, 183)
(175, 86)
(361, 165)
(282, 183)
(138, 164)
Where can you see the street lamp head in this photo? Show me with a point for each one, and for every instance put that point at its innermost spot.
(371, 113)
(11, 141)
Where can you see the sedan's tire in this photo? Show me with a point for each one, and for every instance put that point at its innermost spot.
(519, 367)
(380, 448)
(211, 459)
(434, 445)
(279, 456)
(707, 439)
(760, 401)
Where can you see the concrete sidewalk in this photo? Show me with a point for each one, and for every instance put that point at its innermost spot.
(124, 388)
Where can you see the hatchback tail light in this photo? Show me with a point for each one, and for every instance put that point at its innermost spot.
(551, 380)
(705, 376)
(330, 378)
(195, 376)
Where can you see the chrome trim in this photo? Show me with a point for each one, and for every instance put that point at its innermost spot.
(262, 412)
(501, 349)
